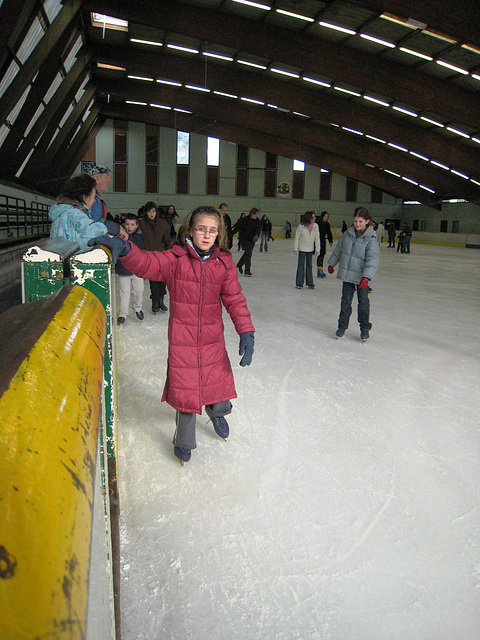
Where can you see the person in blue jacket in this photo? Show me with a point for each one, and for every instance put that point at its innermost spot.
(356, 254)
(71, 216)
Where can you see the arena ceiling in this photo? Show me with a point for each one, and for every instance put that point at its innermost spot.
(382, 91)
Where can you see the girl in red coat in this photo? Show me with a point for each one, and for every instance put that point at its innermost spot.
(201, 276)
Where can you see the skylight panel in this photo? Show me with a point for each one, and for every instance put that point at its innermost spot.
(283, 72)
(321, 83)
(250, 3)
(294, 15)
(336, 27)
(179, 47)
(384, 43)
(152, 43)
(416, 53)
(452, 67)
(108, 22)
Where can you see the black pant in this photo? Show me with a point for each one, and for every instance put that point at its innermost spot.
(157, 290)
(363, 316)
(246, 259)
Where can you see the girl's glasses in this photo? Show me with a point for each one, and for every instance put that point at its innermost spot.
(204, 230)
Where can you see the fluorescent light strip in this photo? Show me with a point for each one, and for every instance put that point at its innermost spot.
(416, 53)
(452, 67)
(251, 100)
(140, 78)
(458, 132)
(406, 111)
(285, 73)
(169, 82)
(159, 106)
(294, 15)
(384, 43)
(103, 65)
(377, 101)
(419, 155)
(396, 146)
(272, 106)
(252, 64)
(302, 115)
(150, 42)
(177, 47)
(475, 76)
(319, 82)
(143, 104)
(409, 180)
(391, 18)
(181, 110)
(439, 164)
(411, 202)
(470, 47)
(422, 186)
(429, 120)
(195, 88)
(352, 93)
(217, 55)
(358, 133)
(477, 140)
(397, 175)
(475, 181)
(335, 27)
(439, 36)
(225, 95)
(257, 5)
(376, 139)
(458, 173)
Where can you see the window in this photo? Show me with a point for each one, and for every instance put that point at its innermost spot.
(213, 152)
(270, 187)
(241, 181)
(183, 159)
(183, 147)
(443, 226)
(298, 185)
(325, 185)
(351, 190)
(151, 159)
(415, 224)
(455, 226)
(120, 160)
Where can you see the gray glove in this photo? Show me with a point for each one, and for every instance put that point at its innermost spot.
(247, 340)
(117, 246)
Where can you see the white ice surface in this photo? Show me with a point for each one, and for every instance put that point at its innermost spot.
(345, 503)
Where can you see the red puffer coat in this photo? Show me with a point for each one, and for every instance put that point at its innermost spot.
(199, 370)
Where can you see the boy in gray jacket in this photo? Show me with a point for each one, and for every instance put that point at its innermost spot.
(356, 254)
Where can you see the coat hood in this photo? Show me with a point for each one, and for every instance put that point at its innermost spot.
(61, 207)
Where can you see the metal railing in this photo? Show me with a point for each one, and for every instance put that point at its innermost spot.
(18, 220)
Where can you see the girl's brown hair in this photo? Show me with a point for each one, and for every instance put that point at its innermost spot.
(192, 219)
(307, 217)
(361, 212)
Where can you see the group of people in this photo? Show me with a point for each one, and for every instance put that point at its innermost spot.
(404, 237)
(356, 254)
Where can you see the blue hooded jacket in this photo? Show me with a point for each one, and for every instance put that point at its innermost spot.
(72, 221)
(357, 257)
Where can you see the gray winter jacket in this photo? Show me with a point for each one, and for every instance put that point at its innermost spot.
(357, 258)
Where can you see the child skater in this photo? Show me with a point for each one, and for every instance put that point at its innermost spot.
(356, 254)
(201, 275)
(307, 243)
(128, 283)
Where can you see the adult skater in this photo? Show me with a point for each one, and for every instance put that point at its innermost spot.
(223, 208)
(200, 274)
(325, 234)
(100, 173)
(407, 230)
(392, 234)
(249, 229)
(306, 243)
(357, 254)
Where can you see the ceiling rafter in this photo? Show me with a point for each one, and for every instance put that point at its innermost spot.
(238, 134)
(294, 128)
(317, 104)
(303, 51)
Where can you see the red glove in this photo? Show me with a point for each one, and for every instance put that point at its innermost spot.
(363, 283)
(330, 269)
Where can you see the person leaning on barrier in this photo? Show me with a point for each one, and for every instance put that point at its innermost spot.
(99, 172)
(71, 214)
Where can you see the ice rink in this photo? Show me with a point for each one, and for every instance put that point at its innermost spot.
(345, 503)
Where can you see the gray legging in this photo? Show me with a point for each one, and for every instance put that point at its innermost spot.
(185, 436)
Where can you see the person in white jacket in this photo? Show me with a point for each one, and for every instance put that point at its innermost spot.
(307, 243)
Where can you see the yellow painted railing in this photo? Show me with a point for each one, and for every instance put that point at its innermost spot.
(51, 378)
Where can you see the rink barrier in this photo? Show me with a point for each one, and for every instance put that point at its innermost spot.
(45, 269)
(51, 388)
